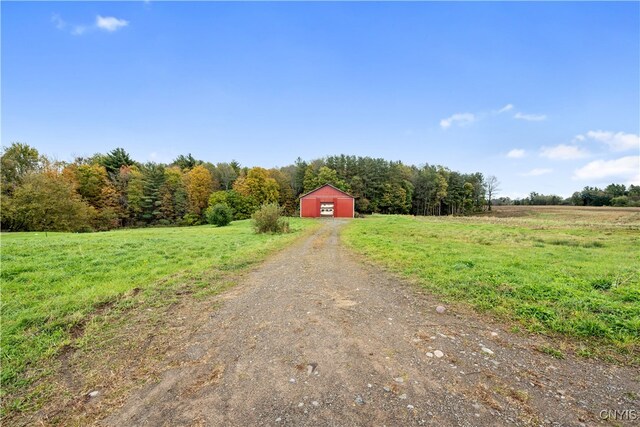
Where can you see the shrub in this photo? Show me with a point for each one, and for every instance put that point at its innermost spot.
(46, 202)
(268, 219)
(190, 219)
(620, 201)
(241, 206)
(219, 214)
(105, 219)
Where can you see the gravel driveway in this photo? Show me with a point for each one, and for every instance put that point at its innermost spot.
(316, 336)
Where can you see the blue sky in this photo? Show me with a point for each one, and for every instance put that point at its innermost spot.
(543, 95)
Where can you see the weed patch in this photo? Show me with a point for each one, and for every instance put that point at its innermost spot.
(556, 354)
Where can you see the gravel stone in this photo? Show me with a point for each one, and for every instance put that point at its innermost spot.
(486, 350)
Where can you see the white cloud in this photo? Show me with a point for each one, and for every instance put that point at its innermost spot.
(516, 153)
(530, 117)
(617, 141)
(58, 21)
(461, 119)
(62, 25)
(110, 23)
(625, 167)
(563, 152)
(78, 30)
(537, 172)
(506, 108)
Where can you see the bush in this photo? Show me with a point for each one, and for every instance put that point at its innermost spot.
(620, 201)
(219, 214)
(190, 219)
(241, 206)
(105, 219)
(46, 202)
(268, 219)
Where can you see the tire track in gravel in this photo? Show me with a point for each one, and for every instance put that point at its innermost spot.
(316, 337)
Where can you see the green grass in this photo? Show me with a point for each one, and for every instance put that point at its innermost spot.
(52, 283)
(550, 274)
(555, 353)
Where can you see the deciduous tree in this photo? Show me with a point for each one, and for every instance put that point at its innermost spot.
(258, 185)
(493, 187)
(17, 160)
(46, 201)
(199, 185)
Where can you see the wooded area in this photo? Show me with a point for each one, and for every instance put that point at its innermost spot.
(107, 191)
(612, 195)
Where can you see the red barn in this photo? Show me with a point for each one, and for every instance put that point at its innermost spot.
(327, 201)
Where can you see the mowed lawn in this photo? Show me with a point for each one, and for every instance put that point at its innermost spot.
(574, 273)
(52, 282)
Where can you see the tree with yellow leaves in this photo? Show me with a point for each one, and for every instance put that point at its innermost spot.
(199, 185)
(258, 185)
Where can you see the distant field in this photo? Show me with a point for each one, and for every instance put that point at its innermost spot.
(51, 283)
(571, 214)
(572, 271)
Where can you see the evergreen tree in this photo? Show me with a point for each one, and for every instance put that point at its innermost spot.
(116, 159)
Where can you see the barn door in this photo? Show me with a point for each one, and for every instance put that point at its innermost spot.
(326, 209)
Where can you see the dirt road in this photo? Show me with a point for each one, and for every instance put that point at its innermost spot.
(315, 336)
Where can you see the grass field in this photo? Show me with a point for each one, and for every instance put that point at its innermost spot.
(569, 271)
(51, 283)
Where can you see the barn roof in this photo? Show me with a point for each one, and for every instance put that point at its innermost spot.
(326, 185)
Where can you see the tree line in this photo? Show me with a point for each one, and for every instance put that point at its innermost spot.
(617, 195)
(112, 190)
